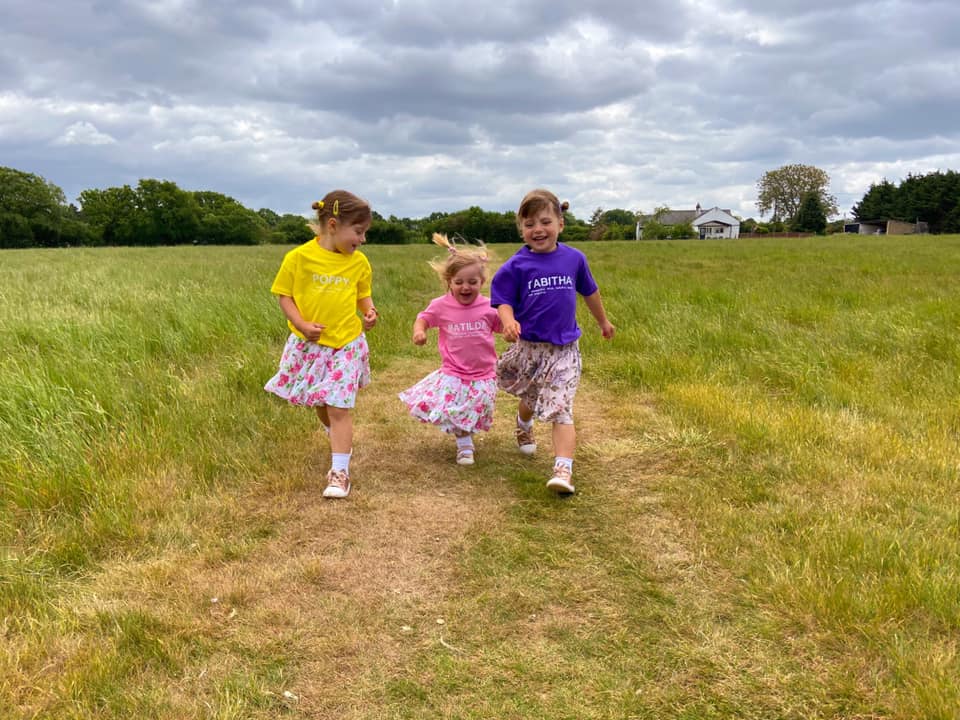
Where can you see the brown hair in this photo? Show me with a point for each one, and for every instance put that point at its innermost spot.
(458, 257)
(343, 206)
(537, 200)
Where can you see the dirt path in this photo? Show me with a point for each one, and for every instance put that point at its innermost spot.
(344, 591)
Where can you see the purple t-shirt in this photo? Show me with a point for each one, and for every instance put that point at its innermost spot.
(466, 344)
(542, 290)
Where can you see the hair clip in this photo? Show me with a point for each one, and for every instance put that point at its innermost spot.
(319, 204)
(336, 208)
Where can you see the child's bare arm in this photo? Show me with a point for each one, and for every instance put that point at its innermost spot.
(310, 330)
(511, 328)
(419, 331)
(595, 305)
(369, 312)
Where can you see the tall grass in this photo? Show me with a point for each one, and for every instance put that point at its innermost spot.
(794, 404)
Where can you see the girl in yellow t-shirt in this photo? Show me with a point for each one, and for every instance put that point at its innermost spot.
(320, 286)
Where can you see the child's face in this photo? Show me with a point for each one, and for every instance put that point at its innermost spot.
(346, 238)
(466, 284)
(541, 230)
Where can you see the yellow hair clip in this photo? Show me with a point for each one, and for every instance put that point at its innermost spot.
(319, 204)
(336, 208)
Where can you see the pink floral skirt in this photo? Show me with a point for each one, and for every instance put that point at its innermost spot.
(312, 374)
(454, 405)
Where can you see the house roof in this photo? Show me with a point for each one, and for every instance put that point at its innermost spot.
(676, 217)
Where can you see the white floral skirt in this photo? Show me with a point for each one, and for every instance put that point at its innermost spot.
(454, 405)
(312, 374)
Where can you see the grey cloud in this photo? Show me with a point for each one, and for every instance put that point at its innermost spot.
(426, 105)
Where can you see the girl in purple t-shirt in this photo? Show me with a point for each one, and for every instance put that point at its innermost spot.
(535, 292)
(458, 398)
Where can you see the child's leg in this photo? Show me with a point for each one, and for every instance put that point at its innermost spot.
(324, 417)
(564, 444)
(464, 448)
(341, 429)
(525, 413)
(341, 440)
(564, 440)
(524, 432)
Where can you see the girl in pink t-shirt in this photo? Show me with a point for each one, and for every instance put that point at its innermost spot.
(458, 398)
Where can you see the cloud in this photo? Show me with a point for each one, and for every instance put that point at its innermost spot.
(426, 105)
(83, 133)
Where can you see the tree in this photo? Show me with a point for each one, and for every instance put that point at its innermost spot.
(620, 217)
(291, 229)
(114, 215)
(225, 221)
(782, 191)
(810, 216)
(33, 209)
(172, 214)
(932, 198)
(879, 202)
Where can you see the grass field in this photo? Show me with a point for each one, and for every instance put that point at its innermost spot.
(767, 521)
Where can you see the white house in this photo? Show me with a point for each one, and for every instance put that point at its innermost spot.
(716, 223)
(712, 223)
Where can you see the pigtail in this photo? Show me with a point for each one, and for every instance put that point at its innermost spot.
(443, 242)
(458, 256)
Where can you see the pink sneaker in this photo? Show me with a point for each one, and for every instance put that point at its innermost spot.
(560, 483)
(464, 457)
(338, 484)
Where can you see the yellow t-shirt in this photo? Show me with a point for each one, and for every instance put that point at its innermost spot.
(325, 286)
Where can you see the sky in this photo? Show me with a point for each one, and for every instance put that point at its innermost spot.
(422, 106)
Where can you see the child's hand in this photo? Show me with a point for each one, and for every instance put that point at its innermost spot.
(370, 318)
(608, 330)
(311, 330)
(419, 337)
(511, 331)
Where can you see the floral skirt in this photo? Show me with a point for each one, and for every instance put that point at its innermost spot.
(454, 405)
(544, 376)
(312, 374)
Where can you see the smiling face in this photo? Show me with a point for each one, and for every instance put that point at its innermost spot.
(345, 238)
(541, 229)
(466, 283)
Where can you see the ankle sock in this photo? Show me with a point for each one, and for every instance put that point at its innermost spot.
(341, 461)
(525, 425)
(565, 461)
(464, 442)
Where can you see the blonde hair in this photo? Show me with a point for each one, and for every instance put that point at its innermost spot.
(342, 206)
(537, 200)
(458, 257)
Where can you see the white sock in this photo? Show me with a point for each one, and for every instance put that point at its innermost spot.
(341, 461)
(326, 429)
(565, 461)
(464, 442)
(525, 425)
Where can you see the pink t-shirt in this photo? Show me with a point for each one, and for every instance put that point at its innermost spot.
(466, 343)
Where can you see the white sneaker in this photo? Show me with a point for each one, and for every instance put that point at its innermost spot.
(338, 484)
(464, 457)
(561, 483)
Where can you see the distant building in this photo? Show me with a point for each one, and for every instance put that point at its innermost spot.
(886, 227)
(709, 224)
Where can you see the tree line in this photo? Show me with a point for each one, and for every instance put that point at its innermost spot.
(933, 198)
(34, 213)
